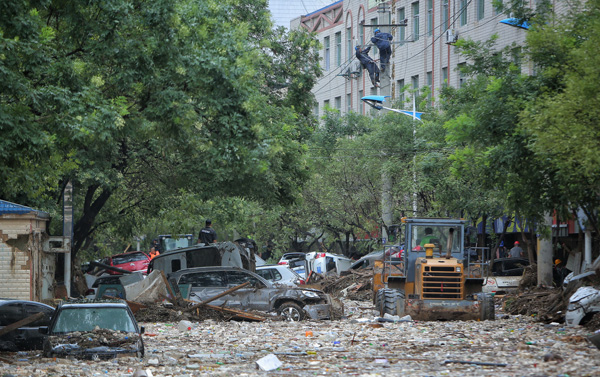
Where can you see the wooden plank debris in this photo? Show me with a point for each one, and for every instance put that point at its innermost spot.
(21, 323)
(231, 290)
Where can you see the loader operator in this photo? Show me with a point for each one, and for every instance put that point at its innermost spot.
(428, 237)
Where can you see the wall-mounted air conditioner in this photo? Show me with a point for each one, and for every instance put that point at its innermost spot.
(451, 36)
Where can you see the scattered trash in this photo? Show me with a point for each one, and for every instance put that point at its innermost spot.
(184, 325)
(269, 362)
(553, 357)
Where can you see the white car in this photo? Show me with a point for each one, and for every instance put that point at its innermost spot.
(285, 258)
(325, 263)
(583, 304)
(506, 275)
(279, 274)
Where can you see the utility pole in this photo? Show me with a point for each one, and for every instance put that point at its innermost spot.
(387, 204)
(544, 262)
(384, 19)
(68, 232)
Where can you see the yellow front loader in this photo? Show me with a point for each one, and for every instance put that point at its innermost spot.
(434, 277)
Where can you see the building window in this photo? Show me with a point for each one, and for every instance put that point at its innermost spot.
(400, 85)
(338, 103)
(517, 56)
(445, 14)
(338, 48)
(498, 7)
(415, 84)
(415, 17)
(360, 104)
(430, 17)
(445, 77)
(401, 29)
(480, 9)
(327, 53)
(348, 103)
(326, 105)
(463, 12)
(361, 34)
(462, 77)
(349, 48)
(430, 85)
(316, 110)
(374, 48)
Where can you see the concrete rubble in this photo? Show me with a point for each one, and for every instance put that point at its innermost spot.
(360, 344)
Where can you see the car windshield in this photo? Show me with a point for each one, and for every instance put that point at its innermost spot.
(129, 258)
(86, 319)
(439, 236)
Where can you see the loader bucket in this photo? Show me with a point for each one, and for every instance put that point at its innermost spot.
(433, 310)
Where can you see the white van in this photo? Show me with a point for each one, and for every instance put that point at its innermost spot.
(326, 263)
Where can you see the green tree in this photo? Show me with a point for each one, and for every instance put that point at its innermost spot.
(138, 103)
(563, 121)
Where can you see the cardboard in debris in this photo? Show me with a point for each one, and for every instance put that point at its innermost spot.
(147, 291)
(269, 362)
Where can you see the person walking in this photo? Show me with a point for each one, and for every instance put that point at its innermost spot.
(516, 251)
(207, 234)
(368, 63)
(382, 41)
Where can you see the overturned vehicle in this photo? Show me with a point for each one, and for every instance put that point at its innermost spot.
(230, 254)
(93, 330)
(215, 284)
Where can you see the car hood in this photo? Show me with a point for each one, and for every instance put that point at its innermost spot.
(95, 344)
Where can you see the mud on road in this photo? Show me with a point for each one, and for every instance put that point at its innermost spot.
(513, 345)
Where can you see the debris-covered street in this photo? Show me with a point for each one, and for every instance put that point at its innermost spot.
(513, 345)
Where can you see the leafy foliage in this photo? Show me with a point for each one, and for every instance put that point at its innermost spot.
(140, 104)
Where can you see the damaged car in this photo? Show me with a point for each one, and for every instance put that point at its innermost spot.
(26, 337)
(293, 304)
(506, 275)
(93, 330)
(583, 305)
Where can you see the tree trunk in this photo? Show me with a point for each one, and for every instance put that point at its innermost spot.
(85, 224)
(482, 237)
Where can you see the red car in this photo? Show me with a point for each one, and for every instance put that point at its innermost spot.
(134, 261)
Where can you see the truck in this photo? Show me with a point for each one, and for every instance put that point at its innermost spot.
(434, 277)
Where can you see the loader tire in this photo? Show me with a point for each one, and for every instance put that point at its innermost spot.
(390, 301)
(486, 307)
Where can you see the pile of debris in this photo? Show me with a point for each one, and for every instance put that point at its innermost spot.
(549, 305)
(96, 338)
(353, 284)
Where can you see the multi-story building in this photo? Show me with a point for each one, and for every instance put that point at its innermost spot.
(423, 53)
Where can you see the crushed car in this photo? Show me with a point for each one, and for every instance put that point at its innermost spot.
(583, 305)
(93, 330)
(280, 274)
(27, 336)
(234, 254)
(133, 261)
(506, 274)
(292, 304)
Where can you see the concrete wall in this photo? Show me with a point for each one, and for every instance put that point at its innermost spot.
(24, 267)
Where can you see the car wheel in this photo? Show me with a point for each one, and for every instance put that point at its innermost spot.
(290, 311)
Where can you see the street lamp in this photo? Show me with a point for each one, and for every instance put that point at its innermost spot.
(376, 102)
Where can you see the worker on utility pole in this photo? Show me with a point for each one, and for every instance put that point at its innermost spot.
(382, 41)
(368, 63)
